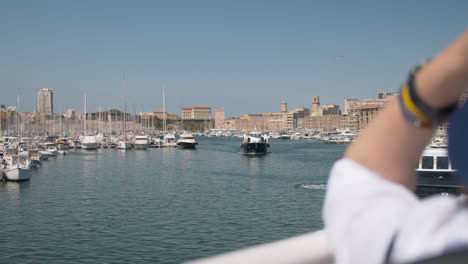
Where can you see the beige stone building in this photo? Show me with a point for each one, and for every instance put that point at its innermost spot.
(348, 103)
(329, 109)
(320, 123)
(291, 117)
(362, 115)
(220, 117)
(259, 122)
(160, 114)
(196, 113)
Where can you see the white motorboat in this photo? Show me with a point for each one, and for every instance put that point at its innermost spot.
(89, 143)
(187, 141)
(157, 142)
(123, 144)
(17, 173)
(169, 141)
(45, 155)
(296, 136)
(141, 142)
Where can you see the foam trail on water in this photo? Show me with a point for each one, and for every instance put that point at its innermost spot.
(312, 186)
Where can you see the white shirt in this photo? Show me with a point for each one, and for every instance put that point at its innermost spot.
(363, 212)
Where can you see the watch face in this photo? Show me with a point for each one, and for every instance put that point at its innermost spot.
(458, 142)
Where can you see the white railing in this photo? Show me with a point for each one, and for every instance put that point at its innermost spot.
(309, 248)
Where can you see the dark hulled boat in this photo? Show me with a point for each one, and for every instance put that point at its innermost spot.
(255, 143)
(435, 173)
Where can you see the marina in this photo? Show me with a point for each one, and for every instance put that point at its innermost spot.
(164, 205)
(152, 206)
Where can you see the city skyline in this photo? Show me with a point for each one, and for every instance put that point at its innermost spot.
(243, 56)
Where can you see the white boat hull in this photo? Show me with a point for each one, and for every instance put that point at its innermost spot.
(124, 145)
(89, 146)
(45, 155)
(18, 174)
(140, 145)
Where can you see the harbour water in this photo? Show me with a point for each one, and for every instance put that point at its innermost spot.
(163, 205)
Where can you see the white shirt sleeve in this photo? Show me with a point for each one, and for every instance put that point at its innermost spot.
(362, 212)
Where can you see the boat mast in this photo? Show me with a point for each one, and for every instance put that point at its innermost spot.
(99, 122)
(164, 110)
(17, 126)
(85, 114)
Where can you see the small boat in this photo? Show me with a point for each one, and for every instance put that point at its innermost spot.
(89, 143)
(169, 141)
(284, 136)
(123, 144)
(16, 166)
(61, 144)
(34, 158)
(17, 172)
(157, 142)
(186, 141)
(141, 142)
(255, 143)
(45, 155)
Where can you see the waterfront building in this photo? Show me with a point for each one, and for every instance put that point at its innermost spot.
(291, 117)
(320, 123)
(259, 122)
(348, 103)
(363, 114)
(45, 101)
(329, 109)
(196, 113)
(160, 114)
(220, 117)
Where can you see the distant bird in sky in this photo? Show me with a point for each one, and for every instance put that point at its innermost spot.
(339, 58)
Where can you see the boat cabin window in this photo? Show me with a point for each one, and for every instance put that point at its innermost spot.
(427, 162)
(442, 163)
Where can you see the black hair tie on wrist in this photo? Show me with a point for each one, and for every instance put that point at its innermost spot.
(435, 115)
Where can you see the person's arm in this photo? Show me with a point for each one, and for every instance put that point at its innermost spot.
(390, 145)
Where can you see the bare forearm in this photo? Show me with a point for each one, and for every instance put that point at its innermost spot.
(391, 146)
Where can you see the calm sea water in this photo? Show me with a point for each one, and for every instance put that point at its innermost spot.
(163, 205)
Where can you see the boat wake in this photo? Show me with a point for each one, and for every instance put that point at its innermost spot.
(312, 186)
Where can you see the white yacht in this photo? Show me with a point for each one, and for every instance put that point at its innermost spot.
(186, 141)
(89, 143)
(141, 142)
(169, 141)
(123, 144)
(157, 142)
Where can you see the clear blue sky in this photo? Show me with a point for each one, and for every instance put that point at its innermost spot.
(244, 55)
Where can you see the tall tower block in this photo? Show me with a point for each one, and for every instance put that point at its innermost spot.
(316, 102)
(284, 107)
